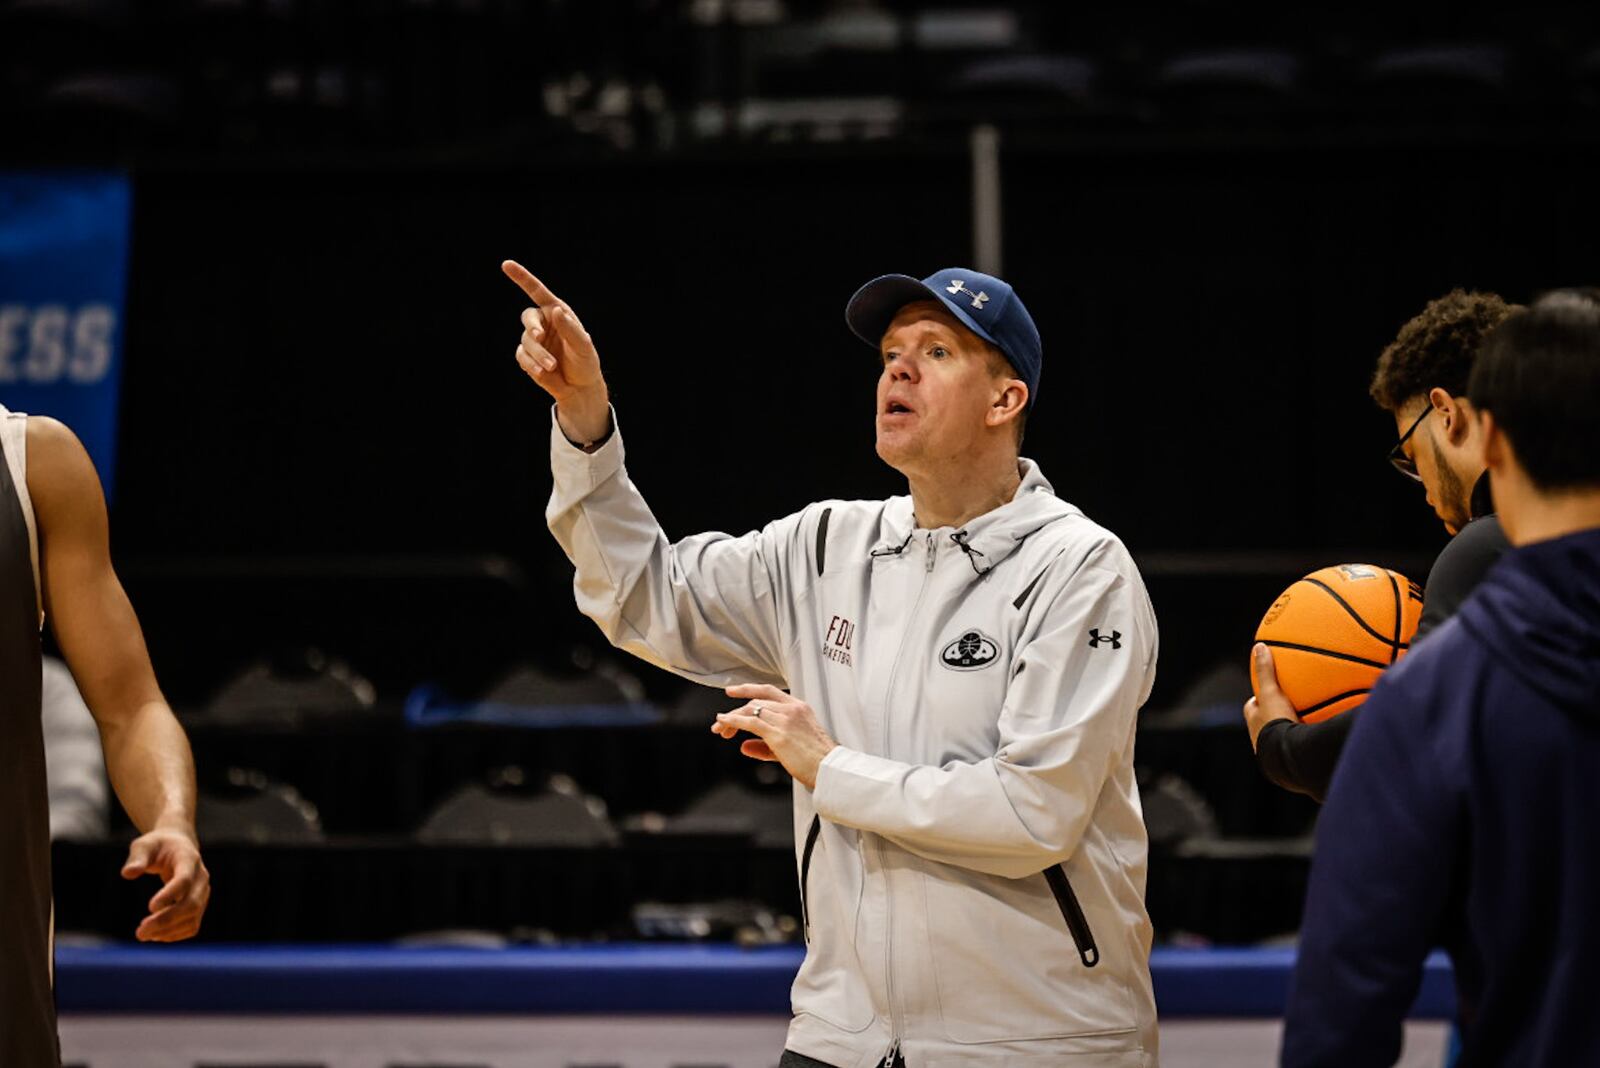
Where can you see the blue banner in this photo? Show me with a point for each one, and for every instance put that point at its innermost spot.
(63, 277)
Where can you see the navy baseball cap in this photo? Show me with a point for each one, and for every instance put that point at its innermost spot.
(985, 305)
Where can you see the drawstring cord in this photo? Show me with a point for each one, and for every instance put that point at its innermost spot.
(960, 538)
(894, 550)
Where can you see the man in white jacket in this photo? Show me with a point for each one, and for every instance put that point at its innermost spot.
(951, 677)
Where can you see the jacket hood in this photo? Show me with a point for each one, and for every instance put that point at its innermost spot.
(1538, 614)
(992, 536)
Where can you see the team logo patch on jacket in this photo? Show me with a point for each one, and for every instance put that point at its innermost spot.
(971, 651)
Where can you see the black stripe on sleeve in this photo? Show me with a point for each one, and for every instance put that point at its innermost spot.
(822, 538)
(1023, 596)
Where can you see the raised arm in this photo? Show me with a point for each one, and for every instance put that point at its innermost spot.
(147, 754)
(705, 607)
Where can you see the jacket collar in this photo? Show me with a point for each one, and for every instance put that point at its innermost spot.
(990, 537)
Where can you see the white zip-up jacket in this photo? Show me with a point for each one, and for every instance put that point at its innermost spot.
(972, 860)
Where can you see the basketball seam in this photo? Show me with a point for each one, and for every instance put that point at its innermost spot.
(1380, 665)
(1320, 705)
(1363, 624)
(1395, 585)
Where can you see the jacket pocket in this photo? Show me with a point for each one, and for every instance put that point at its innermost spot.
(830, 985)
(1072, 912)
(805, 869)
(1003, 970)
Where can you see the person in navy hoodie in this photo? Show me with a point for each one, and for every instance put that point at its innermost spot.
(1463, 813)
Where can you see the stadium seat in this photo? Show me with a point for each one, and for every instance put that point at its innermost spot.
(291, 689)
(559, 816)
(259, 811)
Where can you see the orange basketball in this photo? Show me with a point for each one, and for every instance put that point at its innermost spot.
(1334, 632)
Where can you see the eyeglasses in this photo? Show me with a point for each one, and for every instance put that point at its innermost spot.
(1397, 455)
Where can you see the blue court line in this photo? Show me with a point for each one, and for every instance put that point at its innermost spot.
(611, 979)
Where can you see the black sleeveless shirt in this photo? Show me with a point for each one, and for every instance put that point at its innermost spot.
(27, 1003)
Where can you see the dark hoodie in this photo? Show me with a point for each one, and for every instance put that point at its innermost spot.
(1466, 814)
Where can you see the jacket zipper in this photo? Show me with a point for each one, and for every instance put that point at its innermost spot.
(1072, 912)
(805, 870)
(888, 906)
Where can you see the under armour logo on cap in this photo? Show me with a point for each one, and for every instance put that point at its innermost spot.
(982, 303)
(957, 285)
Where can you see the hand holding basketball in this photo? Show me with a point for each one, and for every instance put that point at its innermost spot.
(558, 354)
(1335, 631)
(1269, 703)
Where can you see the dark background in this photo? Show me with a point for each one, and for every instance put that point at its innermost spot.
(319, 361)
(1218, 214)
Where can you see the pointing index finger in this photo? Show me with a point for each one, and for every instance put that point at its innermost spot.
(536, 290)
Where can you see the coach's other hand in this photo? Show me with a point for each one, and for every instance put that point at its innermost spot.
(1269, 703)
(176, 908)
(557, 353)
(786, 730)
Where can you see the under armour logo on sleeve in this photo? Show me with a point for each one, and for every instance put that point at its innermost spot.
(957, 285)
(1095, 638)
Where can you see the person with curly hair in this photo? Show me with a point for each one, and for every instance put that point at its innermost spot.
(1421, 380)
(1462, 816)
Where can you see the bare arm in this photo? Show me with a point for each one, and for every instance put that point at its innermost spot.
(147, 753)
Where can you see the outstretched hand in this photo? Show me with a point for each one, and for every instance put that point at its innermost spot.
(559, 355)
(786, 730)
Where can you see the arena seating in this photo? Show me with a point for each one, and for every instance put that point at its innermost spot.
(323, 76)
